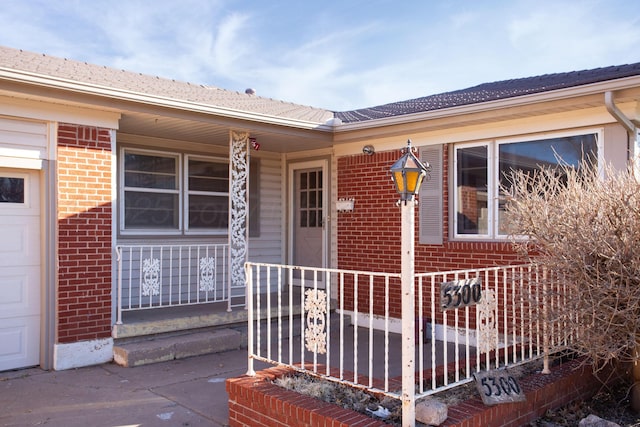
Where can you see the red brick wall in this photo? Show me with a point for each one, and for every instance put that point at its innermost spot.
(256, 401)
(84, 233)
(369, 237)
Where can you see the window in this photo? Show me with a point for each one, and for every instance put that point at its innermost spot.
(481, 168)
(151, 191)
(11, 189)
(310, 193)
(207, 194)
(173, 193)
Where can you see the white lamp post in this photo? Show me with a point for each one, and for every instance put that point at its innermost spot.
(408, 173)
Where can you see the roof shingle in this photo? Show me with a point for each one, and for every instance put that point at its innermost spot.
(491, 92)
(86, 73)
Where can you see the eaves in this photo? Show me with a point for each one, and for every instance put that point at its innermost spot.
(496, 110)
(110, 93)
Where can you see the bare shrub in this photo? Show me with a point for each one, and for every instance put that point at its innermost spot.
(585, 231)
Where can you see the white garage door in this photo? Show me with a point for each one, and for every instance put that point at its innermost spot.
(19, 269)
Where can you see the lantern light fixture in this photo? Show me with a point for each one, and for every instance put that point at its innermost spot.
(407, 173)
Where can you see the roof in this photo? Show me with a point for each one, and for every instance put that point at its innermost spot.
(102, 76)
(491, 92)
(106, 77)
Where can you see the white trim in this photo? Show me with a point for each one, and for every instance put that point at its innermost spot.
(459, 133)
(20, 162)
(40, 110)
(82, 353)
(490, 186)
(186, 193)
(182, 160)
(115, 216)
(122, 189)
(26, 186)
(143, 98)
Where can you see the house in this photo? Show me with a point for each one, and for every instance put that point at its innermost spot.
(122, 192)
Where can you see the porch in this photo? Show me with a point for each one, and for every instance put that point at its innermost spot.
(343, 325)
(468, 323)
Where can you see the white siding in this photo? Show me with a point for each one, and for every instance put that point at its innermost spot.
(268, 247)
(23, 144)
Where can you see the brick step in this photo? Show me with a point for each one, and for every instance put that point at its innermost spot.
(165, 348)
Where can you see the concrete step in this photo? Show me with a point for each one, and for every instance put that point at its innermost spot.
(164, 348)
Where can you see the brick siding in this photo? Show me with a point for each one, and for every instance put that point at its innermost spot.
(369, 236)
(84, 233)
(257, 402)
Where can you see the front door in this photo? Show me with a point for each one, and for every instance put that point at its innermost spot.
(19, 269)
(309, 213)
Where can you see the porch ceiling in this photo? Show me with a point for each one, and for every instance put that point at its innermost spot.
(181, 124)
(207, 130)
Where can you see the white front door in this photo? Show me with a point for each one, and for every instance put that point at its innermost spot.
(309, 211)
(20, 272)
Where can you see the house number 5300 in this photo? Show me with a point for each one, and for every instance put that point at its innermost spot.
(498, 386)
(460, 293)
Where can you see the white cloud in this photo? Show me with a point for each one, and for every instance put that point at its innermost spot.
(328, 55)
(228, 47)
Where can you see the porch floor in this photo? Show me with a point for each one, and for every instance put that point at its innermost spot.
(148, 322)
(162, 320)
(365, 358)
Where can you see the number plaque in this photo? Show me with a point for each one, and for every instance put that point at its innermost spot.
(460, 293)
(498, 386)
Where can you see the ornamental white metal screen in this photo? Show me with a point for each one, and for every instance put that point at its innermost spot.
(238, 211)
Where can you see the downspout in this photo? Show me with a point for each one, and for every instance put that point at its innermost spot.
(633, 149)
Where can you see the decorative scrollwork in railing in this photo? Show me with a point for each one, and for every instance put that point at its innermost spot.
(207, 274)
(315, 305)
(239, 205)
(151, 276)
(487, 321)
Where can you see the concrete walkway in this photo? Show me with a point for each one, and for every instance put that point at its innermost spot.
(185, 392)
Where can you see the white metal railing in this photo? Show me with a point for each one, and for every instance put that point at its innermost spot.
(466, 321)
(485, 319)
(156, 276)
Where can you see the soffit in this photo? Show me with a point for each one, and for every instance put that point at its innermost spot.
(180, 124)
(204, 130)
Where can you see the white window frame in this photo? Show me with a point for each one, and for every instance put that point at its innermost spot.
(490, 190)
(182, 190)
(26, 185)
(123, 189)
(187, 192)
(493, 197)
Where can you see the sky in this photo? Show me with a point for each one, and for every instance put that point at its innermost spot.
(337, 55)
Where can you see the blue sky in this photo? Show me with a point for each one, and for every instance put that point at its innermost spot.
(338, 55)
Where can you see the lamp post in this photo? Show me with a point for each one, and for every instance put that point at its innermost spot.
(407, 173)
